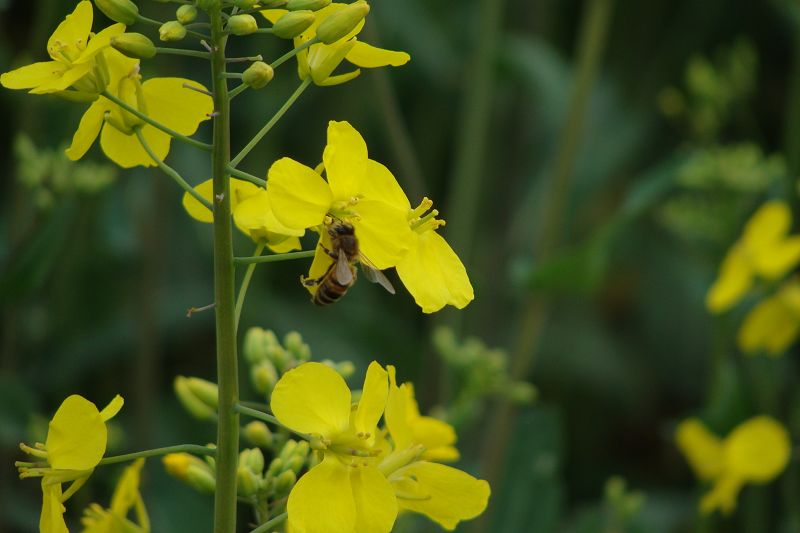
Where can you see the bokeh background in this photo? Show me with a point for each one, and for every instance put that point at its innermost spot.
(593, 159)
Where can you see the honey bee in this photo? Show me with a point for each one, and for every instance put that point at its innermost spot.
(342, 273)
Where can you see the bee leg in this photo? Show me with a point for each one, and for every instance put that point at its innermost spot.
(310, 282)
(329, 252)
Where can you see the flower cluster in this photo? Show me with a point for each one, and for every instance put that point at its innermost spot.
(756, 451)
(367, 474)
(126, 498)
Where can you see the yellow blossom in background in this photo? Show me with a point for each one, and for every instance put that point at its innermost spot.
(77, 59)
(345, 492)
(756, 451)
(251, 213)
(444, 494)
(76, 442)
(165, 100)
(774, 324)
(126, 498)
(765, 250)
(320, 60)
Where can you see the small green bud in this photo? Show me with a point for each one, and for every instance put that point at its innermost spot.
(279, 357)
(264, 377)
(293, 23)
(252, 459)
(275, 467)
(206, 391)
(171, 31)
(256, 343)
(190, 470)
(293, 341)
(295, 463)
(247, 483)
(242, 24)
(522, 393)
(123, 11)
(196, 407)
(343, 368)
(134, 45)
(258, 433)
(186, 13)
(302, 449)
(245, 4)
(258, 75)
(342, 22)
(284, 483)
(288, 450)
(311, 5)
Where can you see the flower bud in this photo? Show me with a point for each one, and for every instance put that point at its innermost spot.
(258, 433)
(311, 5)
(275, 467)
(293, 23)
(284, 483)
(242, 24)
(264, 377)
(295, 463)
(196, 407)
(247, 483)
(171, 31)
(256, 342)
(190, 470)
(252, 459)
(521, 393)
(287, 451)
(258, 75)
(206, 391)
(123, 11)
(186, 13)
(342, 22)
(201, 478)
(134, 45)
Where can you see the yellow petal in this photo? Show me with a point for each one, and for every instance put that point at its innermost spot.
(396, 413)
(285, 245)
(119, 66)
(69, 76)
(380, 184)
(774, 261)
(758, 450)
(52, 518)
(312, 398)
(770, 326)
(771, 222)
(375, 501)
(445, 495)
(195, 209)
(345, 158)
(368, 56)
(113, 407)
(438, 438)
(722, 495)
(125, 150)
(73, 31)
(322, 500)
(76, 439)
(127, 491)
(703, 449)
(172, 104)
(434, 275)
(734, 280)
(339, 79)
(299, 196)
(383, 233)
(33, 75)
(321, 263)
(273, 15)
(88, 129)
(373, 400)
(100, 41)
(254, 217)
(323, 59)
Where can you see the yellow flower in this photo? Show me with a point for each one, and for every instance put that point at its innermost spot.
(764, 250)
(774, 324)
(756, 451)
(76, 442)
(251, 213)
(444, 494)
(301, 198)
(320, 60)
(345, 492)
(126, 497)
(77, 59)
(165, 100)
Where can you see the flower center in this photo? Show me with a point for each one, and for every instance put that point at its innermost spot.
(423, 218)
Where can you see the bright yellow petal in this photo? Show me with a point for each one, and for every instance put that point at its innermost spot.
(127, 490)
(119, 66)
(254, 217)
(284, 245)
(175, 106)
(70, 76)
(323, 59)
(373, 400)
(52, 518)
(195, 209)
(383, 233)
(33, 75)
(88, 130)
(72, 32)
(299, 197)
(339, 79)
(380, 184)
(345, 158)
(100, 41)
(312, 398)
(445, 495)
(322, 500)
(434, 275)
(396, 413)
(758, 450)
(774, 261)
(767, 225)
(273, 15)
(770, 326)
(438, 438)
(321, 263)
(375, 501)
(125, 150)
(703, 449)
(722, 495)
(735, 279)
(367, 56)
(76, 439)
(113, 407)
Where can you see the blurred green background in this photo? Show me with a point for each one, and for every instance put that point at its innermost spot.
(594, 160)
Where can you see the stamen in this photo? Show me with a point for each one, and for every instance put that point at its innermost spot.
(36, 452)
(423, 206)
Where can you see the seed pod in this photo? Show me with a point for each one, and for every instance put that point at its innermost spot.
(293, 23)
(342, 22)
(134, 45)
(123, 11)
(258, 75)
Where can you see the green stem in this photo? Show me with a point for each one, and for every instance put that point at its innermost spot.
(156, 124)
(247, 177)
(237, 91)
(291, 53)
(248, 275)
(267, 526)
(224, 290)
(182, 52)
(305, 254)
(171, 172)
(268, 126)
(154, 22)
(195, 449)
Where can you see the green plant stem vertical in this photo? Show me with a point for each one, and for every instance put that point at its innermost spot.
(224, 289)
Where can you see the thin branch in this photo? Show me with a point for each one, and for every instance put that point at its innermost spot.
(195, 449)
(247, 177)
(273, 258)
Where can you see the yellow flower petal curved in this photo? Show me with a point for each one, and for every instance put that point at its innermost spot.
(345, 159)
(299, 196)
(172, 104)
(379, 184)
(127, 152)
(88, 129)
(63, 81)
(375, 501)
(51, 519)
(32, 75)
(373, 400)
(368, 56)
(76, 439)
(702, 448)
(322, 500)
(774, 324)
(383, 233)
(74, 30)
(758, 450)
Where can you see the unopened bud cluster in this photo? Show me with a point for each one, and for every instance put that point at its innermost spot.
(269, 359)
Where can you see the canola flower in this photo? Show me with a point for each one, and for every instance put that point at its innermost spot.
(320, 60)
(774, 323)
(756, 451)
(77, 68)
(126, 498)
(252, 215)
(75, 444)
(765, 250)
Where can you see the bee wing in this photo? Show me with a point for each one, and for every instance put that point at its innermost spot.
(374, 275)
(344, 274)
